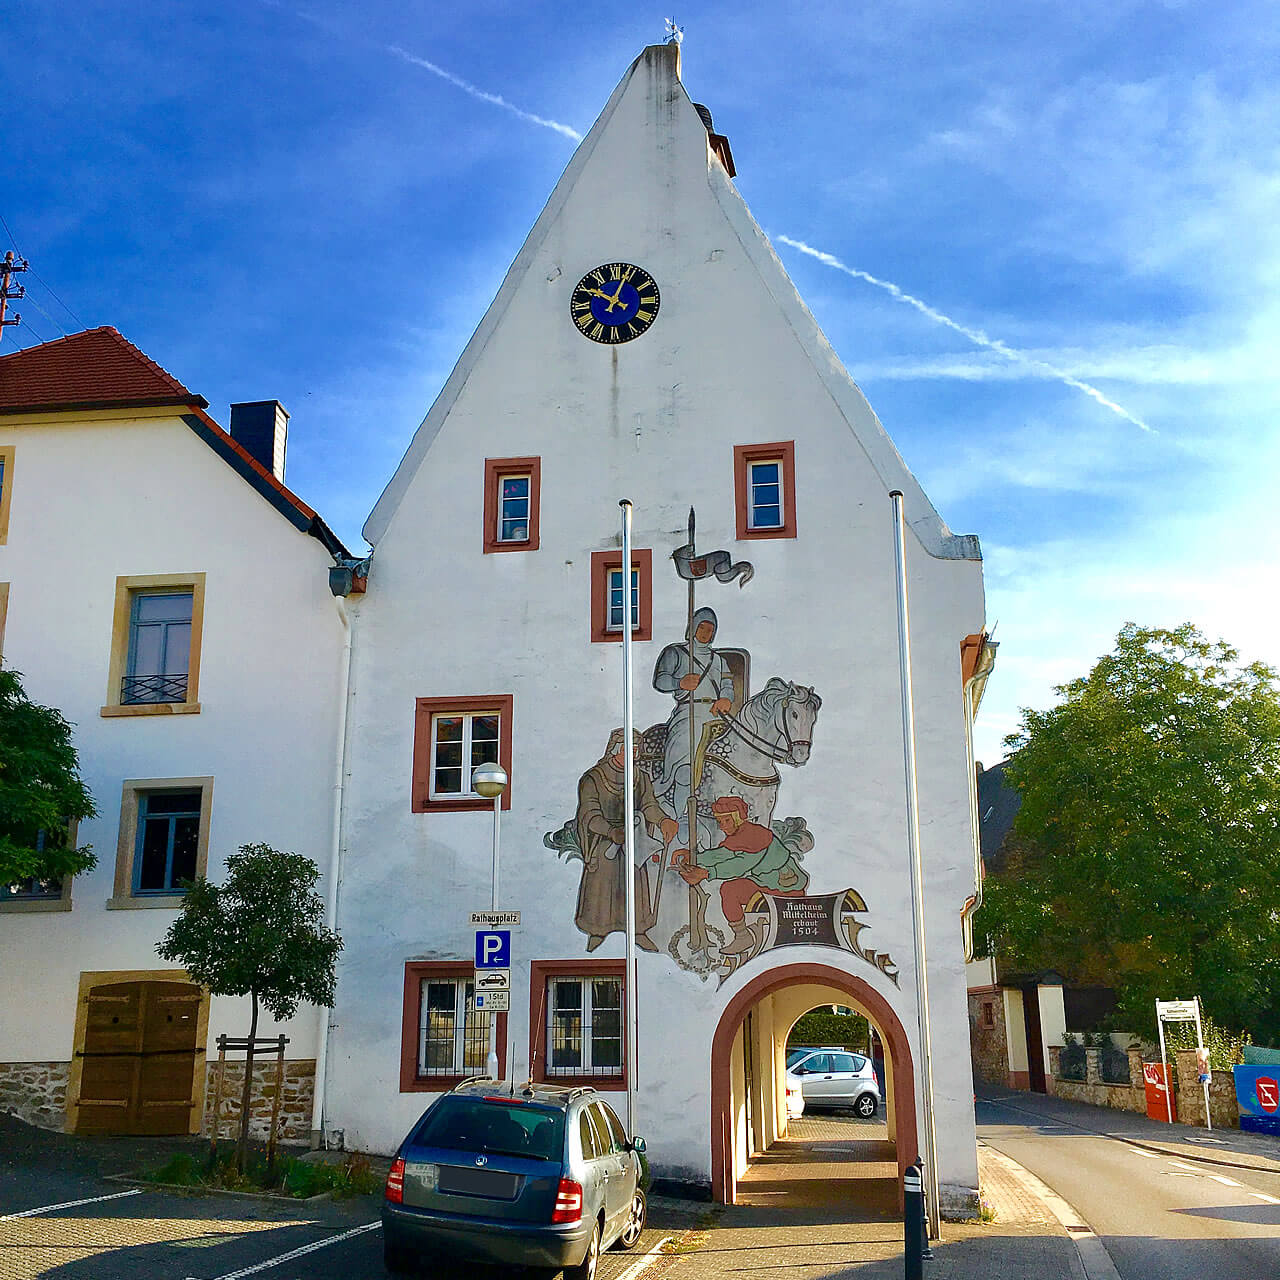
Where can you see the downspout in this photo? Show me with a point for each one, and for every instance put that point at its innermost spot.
(973, 691)
(335, 869)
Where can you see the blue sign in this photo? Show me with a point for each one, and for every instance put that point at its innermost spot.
(493, 948)
(1258, 1094)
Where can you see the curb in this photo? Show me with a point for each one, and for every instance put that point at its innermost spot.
(1094, 1258)
(181, 1188)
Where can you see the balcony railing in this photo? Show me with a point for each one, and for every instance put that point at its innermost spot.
(135, 689)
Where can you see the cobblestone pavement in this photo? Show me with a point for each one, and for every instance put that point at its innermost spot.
(822, 1205)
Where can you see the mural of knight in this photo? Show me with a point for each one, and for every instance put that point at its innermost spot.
(706, 785)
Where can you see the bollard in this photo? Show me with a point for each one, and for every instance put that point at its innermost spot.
(914, 1238)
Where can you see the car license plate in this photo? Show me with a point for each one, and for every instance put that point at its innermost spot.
(489, 1183)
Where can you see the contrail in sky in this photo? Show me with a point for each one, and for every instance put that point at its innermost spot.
(974, 335)
(480, 95)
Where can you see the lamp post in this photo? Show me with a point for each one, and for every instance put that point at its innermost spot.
(490, 781)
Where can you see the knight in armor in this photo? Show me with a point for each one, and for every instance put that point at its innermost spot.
(707, 683)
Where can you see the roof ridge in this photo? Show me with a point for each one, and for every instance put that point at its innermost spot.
(56, 342)
(141, 355)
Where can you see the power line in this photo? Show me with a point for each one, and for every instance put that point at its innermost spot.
(44, 283)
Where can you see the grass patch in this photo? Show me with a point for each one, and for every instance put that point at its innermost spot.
(299, 1179)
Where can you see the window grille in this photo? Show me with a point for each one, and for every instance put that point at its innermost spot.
(159, 648)
(513, 509)
(453, 1036)
(584, 1027)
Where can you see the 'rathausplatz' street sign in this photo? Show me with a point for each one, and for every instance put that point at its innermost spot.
(1176, 1010)
(494, 919)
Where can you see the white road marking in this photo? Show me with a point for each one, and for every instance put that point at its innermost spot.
(1226, 1182)
(298, 1253)
(1177, 1164)
(1262, 1195)
(69, 1204)
(640, 1264)
(1147, 1155)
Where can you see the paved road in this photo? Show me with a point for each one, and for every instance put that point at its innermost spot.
(1160, 1214)
(63, 1217)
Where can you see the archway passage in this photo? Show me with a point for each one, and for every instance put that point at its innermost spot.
(754, 1149)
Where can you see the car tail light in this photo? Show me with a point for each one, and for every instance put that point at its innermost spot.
(395, 1182)
(568, 1202)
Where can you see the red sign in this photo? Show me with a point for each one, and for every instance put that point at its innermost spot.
(1268, 1093)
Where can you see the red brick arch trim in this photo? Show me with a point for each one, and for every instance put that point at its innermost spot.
(876, 1007)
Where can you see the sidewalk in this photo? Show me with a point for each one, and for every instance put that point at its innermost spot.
(1228, 1147)
(824, 1232)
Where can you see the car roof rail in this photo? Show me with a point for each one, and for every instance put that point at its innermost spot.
(470, 1080)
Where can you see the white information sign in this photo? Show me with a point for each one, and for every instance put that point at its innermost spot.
(1177, 1010)
(1184, 1011)
(494, 1001)
(494, 919)
(493, 979)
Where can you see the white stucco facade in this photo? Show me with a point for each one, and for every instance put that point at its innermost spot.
(100, 496)
(733, 359)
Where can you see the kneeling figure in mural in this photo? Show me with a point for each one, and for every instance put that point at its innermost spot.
(750, 859)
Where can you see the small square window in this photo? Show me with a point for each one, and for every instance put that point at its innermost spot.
(163, 842)
(451, 737)
(765, 489)
(606, 595)
(155, 645)
(511, 497)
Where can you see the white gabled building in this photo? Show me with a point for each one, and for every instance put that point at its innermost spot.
(165, 591)
(647, 344)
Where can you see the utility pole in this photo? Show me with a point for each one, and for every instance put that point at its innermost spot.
(9, 267)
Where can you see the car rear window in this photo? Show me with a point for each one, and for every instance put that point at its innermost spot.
(499, 1128)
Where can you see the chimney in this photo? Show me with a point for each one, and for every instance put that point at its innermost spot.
(261, 427)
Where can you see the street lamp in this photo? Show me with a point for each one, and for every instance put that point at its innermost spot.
(490, 781)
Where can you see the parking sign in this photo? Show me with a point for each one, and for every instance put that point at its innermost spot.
(493, 948)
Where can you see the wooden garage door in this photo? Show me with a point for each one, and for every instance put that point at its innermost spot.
(139, 1056)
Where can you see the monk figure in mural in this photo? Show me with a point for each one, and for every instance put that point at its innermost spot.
(750, 859)
(601, 829)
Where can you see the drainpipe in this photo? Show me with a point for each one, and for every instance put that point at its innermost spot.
(335, 869)
(973, 691)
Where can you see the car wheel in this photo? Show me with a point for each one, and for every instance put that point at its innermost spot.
(397, 1259)
(586, 1269)
(866, 1105)
(636, 1216)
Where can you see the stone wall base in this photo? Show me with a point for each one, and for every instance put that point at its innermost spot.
(295, 1105)
(36, 1092)
(958, 1203)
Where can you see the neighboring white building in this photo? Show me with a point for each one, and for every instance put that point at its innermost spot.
(162, 588)
(647, 344)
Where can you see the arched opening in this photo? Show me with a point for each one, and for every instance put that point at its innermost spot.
(748, 1087)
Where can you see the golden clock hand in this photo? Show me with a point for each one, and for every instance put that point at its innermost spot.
(615, 299)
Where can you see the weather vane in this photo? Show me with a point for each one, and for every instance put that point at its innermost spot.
(675, 34)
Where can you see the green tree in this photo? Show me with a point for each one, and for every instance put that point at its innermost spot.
(1146, 854)
(41, 791)
(261, 933)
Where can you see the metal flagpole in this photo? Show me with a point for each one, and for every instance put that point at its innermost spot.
(917, 871)
(631, 1031)
(697, 931)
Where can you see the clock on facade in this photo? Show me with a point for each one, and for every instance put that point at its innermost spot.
(614, 303)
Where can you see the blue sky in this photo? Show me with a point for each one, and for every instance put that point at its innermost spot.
(316, 202)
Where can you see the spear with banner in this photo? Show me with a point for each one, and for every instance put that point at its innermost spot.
(692, 567)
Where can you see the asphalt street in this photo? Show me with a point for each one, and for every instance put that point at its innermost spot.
(1171, 1215)
(65, 1215)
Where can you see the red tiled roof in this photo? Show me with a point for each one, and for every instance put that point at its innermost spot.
(100, 369)
(94, 369)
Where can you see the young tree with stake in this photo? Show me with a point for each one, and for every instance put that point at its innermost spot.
(261, 933)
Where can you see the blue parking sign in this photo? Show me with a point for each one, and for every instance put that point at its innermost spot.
(493, 948)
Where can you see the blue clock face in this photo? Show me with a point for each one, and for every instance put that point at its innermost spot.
(614, 303)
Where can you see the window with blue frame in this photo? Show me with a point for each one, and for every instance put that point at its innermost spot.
(159, 647)
(615, 599)
(168, 841)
